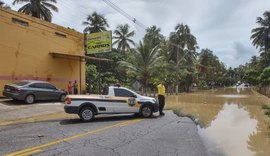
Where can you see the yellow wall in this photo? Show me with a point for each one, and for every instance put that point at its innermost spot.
(25, 51)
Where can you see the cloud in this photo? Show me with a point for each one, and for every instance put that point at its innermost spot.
(239, 53)
(224, 26)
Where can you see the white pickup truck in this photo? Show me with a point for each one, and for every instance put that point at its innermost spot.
(115, 100)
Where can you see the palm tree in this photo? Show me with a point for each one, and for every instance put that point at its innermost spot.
(181, 40)
(123, 37)
(141, 63)
(181, 43)
(261, 35)
(153, 34)
(184, 36)
(38, 8)
(208, 64)
(95, 23)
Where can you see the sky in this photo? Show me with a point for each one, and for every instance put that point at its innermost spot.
(224, 26)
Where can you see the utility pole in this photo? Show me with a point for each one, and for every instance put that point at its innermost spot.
(177, 70)
(99, 83)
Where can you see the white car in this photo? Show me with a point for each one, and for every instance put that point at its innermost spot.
(115, 100)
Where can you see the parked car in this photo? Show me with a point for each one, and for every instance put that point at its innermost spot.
(30, 91)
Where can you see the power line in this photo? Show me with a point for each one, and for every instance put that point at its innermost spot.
(134, 20)
(122, 12)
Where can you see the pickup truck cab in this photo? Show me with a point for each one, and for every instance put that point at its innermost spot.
(115, 100)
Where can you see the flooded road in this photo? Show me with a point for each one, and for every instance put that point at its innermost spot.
(230, 121)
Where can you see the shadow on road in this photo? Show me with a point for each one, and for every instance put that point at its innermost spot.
(11, 102)
(104, 119)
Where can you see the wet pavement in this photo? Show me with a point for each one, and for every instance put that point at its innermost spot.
(230, 121)
(113, 136)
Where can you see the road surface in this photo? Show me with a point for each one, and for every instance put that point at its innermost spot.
(107, 135)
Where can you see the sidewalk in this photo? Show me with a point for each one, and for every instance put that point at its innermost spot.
(12, 112)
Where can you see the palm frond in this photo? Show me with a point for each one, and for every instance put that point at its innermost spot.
(51, 6)
(23, 8)
(19, 1)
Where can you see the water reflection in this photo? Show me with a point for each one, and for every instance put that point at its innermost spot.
(233, 122)
(230, 120)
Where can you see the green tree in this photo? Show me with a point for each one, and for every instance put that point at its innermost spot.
(252, 71)
(230, 77)
(107, 72)
(263, 60)
(240, 72)
(154, 36)
(261, 35)
(211, 70)
(265, 77)
(95, 23)
(251, 76)
(183, 37)
(182, 47)
(141, 63)
(253, 62)
(38, 8)
(122, 36)
(92, 78)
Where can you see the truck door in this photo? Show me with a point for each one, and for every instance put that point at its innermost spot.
(124, 107)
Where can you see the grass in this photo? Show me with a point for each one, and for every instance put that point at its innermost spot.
(266, 110)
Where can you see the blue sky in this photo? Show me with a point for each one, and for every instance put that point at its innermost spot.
(224, 26)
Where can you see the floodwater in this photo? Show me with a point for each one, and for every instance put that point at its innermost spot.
(231, 121)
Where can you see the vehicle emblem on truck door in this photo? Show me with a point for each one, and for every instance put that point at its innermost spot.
(131, 101)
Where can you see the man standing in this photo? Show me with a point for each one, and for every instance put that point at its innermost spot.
(161, 97)
(69, 87)
(75, 87)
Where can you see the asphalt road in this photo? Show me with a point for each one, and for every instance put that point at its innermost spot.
(108, 135)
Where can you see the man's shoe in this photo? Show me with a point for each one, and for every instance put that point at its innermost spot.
(161, 114)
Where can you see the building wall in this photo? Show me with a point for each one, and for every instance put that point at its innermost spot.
(25, 46)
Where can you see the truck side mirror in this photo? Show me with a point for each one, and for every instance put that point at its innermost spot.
(135, 96)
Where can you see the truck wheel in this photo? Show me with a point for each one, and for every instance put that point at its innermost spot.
(29, 99)
(147, 111)
(87, 114)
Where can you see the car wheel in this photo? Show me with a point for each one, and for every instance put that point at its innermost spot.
(147, 111)
(87, 114)
(29, 99)
(62, 98)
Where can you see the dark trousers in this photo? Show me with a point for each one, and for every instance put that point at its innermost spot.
(75, 91)
(161, 100)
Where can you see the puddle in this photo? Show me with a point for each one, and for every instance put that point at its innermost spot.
(232, 96)
(230, 122)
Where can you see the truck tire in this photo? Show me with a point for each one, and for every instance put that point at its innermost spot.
(147, 111)
(87, 114)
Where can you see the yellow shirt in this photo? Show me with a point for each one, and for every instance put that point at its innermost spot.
(161, 89)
